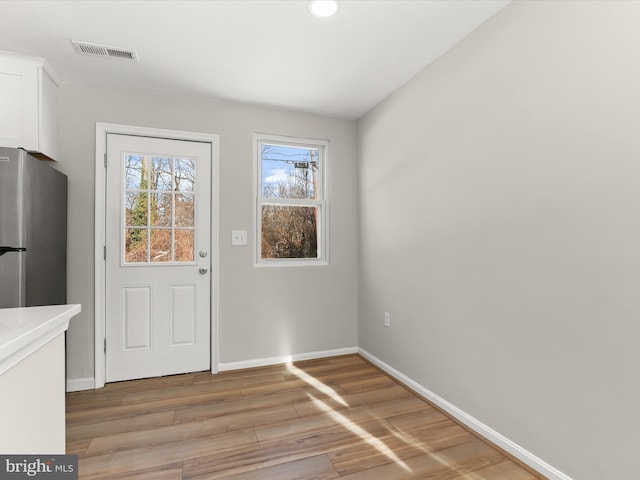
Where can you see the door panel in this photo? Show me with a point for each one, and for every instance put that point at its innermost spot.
(136, 318)
(183, 315)
(158, 298)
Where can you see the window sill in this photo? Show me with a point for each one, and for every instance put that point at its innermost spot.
(282, 262)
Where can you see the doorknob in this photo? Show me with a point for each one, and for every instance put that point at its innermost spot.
(202, 253)
(202, 270)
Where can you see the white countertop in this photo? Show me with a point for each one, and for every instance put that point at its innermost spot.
(25, 330)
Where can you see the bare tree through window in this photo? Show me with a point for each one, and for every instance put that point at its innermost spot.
(292, 198)
(159, 209)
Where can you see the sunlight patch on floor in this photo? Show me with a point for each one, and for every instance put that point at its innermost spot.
(360, 432)
(317, 384)
(439, 457)
(413, 442)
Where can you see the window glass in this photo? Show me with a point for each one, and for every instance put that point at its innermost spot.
(159, 209)
(289, 172)
(289, 232)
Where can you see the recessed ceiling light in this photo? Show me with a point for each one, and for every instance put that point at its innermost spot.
(323, 8)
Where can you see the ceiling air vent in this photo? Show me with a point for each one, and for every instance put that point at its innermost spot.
(97, 50)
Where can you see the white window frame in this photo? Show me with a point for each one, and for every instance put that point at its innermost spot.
(322, 202)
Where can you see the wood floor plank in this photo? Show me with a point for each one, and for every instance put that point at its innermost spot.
(370, 382)
(76, 401)
(412, 420)
(347, 418)
(267, 388)
(186, 431)
(207, 401)
(140, 422)
(390, 408)
(437, 436)
(445, 464)
(243, 419)
(464, 459)
(365, 456)
(170, 452)
(198, 412)
(503, 471)
(322, 370)
(200, 388)
(352, 400)
(311, 468)
(251, 457)
(342, 373)
(77, 447)
(163, 472)
(322, 419)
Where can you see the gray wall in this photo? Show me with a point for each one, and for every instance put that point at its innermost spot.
(499, 225)
(264, 312)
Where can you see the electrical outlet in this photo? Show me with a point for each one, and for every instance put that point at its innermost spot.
(387, 319)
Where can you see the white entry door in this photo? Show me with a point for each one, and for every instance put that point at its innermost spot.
(158, 241)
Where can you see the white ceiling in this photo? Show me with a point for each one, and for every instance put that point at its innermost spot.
(267, 52)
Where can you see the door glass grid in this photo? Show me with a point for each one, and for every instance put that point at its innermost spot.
(159, 209)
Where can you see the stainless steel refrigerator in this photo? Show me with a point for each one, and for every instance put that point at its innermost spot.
(33, 231)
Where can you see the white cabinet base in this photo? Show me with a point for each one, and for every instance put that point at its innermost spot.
(32, 379)
(32, 402)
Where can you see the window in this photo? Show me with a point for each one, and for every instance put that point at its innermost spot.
(291, 207)
(159, 202)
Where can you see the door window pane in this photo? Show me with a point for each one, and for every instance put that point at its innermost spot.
(185, 245)
(184, 175)
(184, 210)
(136, 205)
(160, 245)
(161, 176)
(135, 172)
(160, 209)
(136, 245)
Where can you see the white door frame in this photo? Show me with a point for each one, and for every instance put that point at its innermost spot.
(102, 129)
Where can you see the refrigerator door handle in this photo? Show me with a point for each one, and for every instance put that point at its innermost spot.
(4, 250)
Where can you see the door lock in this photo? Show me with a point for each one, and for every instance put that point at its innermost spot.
(203, 270)
(202, 253)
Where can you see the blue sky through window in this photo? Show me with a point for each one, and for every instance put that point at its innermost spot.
(281, 165)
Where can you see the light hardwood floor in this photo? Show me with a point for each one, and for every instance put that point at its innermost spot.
(323, 419)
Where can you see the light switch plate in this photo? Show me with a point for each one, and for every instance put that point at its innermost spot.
(238, 237)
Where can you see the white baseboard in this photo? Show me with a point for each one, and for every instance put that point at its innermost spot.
(296, 357)
(77, 384)
(474, 424)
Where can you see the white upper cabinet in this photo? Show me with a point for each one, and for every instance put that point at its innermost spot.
(28, 105)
